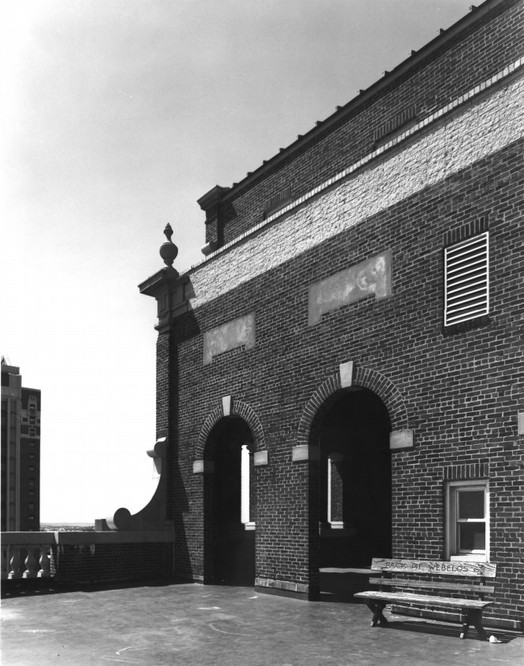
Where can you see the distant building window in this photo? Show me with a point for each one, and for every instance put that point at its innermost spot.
(32, 432)
(31, 468)
(466, 280)
(467, 515)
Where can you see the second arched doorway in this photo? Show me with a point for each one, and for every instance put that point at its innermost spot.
(352, 430)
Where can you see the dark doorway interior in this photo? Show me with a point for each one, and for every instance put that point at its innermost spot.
(355, 480)
(230, 510)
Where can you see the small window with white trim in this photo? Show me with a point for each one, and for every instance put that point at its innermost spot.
(466, 280)
(467, 517)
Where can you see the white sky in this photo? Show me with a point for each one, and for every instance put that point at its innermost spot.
(116, 116)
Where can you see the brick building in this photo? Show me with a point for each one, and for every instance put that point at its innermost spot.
(341, 376)
(20, 453)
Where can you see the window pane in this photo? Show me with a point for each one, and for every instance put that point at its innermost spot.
(472, 536)
(471, 504)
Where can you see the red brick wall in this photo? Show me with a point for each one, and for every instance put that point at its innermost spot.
(462, 391)
(105, 563)
(459, 66)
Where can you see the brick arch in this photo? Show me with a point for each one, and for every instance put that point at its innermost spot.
(238, 408)
(383, 387)
(208, 425)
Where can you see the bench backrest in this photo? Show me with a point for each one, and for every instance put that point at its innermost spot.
(435, 567)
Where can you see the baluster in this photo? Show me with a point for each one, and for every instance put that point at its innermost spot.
(15, 563)
(31, 564)
(45, 563)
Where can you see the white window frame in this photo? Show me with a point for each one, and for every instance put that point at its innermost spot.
(245, 488)
(332, 459)
(466, 285)
(452, 520)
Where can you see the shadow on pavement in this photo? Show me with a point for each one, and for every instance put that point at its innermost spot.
(441, 629)
(39, 587)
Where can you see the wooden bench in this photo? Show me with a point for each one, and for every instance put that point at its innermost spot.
(436, 576)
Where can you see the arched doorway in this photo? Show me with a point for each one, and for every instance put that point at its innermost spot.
(354, 481)
(229, 509)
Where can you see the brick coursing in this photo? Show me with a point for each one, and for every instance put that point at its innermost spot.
(459, 66)
(442, 149)
(459, 393)
(109, 563)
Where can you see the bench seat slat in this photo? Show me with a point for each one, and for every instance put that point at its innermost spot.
(436, 585)
(424, 599)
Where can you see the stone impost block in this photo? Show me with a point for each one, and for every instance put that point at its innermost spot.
(203, 467)
(305, 452)
(401, 439)
(260, 458)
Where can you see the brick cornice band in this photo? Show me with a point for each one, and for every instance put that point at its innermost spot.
(372, 185)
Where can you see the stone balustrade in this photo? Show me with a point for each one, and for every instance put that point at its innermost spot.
(87, 557)
(27, 554)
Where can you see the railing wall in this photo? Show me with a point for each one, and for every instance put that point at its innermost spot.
(71, 558)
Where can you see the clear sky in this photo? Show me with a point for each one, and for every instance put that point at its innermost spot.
(116, 116)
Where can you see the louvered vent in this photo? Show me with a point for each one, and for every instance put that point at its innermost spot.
(395, 123)
(466, 280)
(278, 201)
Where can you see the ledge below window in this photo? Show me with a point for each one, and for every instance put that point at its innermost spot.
(468, 558)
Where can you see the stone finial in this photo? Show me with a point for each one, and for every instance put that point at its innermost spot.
(168, 231)
(168, 250)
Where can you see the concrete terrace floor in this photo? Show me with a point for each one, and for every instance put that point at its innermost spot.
(194, 624)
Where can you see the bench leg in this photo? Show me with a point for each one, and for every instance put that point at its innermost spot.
(376, 607)
(465, 627)
(475, 618)
(477, 623)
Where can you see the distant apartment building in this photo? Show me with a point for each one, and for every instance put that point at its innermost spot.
(20, 452)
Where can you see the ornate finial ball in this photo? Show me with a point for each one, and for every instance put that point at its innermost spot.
(168, 250)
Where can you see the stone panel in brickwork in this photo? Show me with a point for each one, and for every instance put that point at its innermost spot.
(369, 278)
(237, 333)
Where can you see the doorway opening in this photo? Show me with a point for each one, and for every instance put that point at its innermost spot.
(230, 505)
(354, 485)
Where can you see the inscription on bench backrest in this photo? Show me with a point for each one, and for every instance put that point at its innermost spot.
(459, 568)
